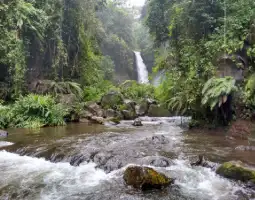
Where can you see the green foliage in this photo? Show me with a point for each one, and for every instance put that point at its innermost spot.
(249, 93)
(216, 91)
(33, 111)
(136, 91)
(191, 37)
(95, 92)
(5, 116)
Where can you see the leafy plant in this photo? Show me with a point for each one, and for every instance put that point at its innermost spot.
(133, 90)
(216, 91)
(37, 111)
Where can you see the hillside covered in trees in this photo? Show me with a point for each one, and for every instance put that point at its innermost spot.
(203, 51)
(81, 41)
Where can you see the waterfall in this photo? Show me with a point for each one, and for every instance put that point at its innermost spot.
(141, 69)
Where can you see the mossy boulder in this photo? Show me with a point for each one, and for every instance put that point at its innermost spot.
(112, 100)
(145, 178)
(158, 111)
(128, 115)
(236, 170)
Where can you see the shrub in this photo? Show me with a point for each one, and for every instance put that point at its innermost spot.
(95, 92)
(5, 116)
(35, 111)
(133, 90)
(216, 91)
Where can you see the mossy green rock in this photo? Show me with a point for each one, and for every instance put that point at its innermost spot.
(145, 178)
(237, 171)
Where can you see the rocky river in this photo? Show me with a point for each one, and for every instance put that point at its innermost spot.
(86, 162)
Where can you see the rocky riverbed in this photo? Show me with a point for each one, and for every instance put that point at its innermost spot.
(81, 161)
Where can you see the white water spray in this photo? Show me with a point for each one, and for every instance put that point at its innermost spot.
(141, 69)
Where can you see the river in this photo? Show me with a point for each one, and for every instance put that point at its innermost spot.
(86, 162)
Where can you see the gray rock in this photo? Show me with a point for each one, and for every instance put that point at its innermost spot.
(245, 148)
(159, 139)
(142, 108)
(112, 100)
(109, 113)
(201, 161)
(156, 161)
(128, 115)
(94, 108)
(97, 120)
(3, 133)
(137, 122)
(130, 105)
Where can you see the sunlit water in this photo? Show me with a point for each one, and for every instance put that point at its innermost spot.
(142, 71)
(83, 161)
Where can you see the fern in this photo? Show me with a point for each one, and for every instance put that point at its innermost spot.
(216, 90)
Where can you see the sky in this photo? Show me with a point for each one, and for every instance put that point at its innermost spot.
(137, 2)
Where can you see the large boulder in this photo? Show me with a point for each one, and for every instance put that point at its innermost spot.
(236, 170)
(94, 108)
(145, 178)
(3, 133)
(109, 113)
(143, 107)
(158, 111)
(112, 100)
(128, 115)
(129, 105)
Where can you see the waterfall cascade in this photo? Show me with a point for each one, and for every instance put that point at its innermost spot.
(141, 69)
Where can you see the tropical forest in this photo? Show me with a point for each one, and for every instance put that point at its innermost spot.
(127, 99)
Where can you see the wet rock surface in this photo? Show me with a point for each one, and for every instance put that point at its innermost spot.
(145, 178)
(245, 148)
(137, 122)
(236, 170)
(203, 162)
(156, 161)
(98, 159)
(3, 133)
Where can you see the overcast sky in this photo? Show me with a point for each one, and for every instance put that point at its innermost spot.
(137, 2)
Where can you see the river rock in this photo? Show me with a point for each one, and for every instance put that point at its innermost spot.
(109, 113)
(236, 170)
(158, 111)
(130, 105)
(94, 108)
(137, 122)
(201, 161)
(245, 148)
(128, 115)
(142, 108)
(112, 100)
(3, 133)
(97, 120)
(159, 139)
(156, 161)
(145, 178)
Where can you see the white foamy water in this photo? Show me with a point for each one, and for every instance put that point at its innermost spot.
(141, 69)
(49, 180)
(5, 144)
(202, 182)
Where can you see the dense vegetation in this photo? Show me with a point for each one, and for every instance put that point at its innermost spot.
(198, 40)
(204, 49)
